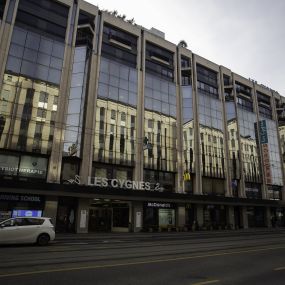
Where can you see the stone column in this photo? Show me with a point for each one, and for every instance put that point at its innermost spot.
(244, 218)
(50, 209)
(267, 217)
(181, 213)
(200, 215)
(231, 217)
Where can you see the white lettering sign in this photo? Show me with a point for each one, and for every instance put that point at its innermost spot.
(118, 183)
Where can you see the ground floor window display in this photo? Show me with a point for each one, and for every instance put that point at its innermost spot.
(214, 217)
(15, 205)
(158, 216)
(256, 216)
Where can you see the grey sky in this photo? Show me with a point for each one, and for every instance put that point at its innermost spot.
(246, 36)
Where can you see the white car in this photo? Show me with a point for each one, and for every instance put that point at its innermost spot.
(27, 230)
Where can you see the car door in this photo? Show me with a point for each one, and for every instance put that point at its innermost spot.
(26, 230)
(32, 229)
(8, 231)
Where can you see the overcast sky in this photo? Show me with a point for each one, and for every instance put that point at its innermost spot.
(246, 36)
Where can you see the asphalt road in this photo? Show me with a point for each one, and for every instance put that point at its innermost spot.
(164, 258)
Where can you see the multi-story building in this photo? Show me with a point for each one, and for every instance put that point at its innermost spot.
(107, 126)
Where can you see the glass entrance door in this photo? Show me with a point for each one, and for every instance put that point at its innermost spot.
(100, 220)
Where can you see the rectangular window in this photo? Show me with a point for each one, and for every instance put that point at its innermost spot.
(36, 16)
(119, 45)
(159, 61)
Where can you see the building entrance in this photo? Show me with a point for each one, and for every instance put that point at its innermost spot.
(109, 216)
(100, 219)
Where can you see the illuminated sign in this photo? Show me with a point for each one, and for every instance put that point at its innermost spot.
(159, 205)
(20, 198)
(26, 213)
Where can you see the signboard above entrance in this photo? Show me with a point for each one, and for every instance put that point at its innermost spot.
(118, 183)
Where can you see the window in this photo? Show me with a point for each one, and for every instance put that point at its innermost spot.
(185, 62)
(159, 61)
(119, 45)
(35, 15)
(41, 113)
(245, 104)
(113, 114)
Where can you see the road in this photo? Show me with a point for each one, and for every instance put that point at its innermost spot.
(162, 258)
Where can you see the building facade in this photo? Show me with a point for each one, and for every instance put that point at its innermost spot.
(107, 126)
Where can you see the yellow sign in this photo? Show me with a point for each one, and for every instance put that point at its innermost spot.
(186, 176)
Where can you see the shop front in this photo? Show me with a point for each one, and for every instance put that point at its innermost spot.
(14, 205)
(106, 215)
(159, 216)
(256, 216)
(66, 214)
(214, 217)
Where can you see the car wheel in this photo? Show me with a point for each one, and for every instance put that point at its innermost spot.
(43, 239)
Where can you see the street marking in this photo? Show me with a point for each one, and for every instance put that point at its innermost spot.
(206, 282)
(279, 268)
(75, 243)
(138, 262)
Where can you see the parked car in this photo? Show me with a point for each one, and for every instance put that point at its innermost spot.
(27, 230)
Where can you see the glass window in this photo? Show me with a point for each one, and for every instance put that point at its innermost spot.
(113, 93)
(75, 92)
(45, 46)
(132, 99)
(32, 41)
(148, 103)
(31, 166)
(58, 50)
(41, 113)
(9, 164)
(78, 67)
(72, 119)
(28, 68)
(16, 50)
(124, 72)
(77, 79)
(43, 59)
(133, 75)
(70, 136)
(165, 108)
(172, 100)
(19, 36)
(56, 62)
(74, 106)
(30, 55)
(172, 110)
(42, 72)
(80, 54)
(123, 84)
(103, 90)
(114, 81)
(54, 76)
(123, 96)
(13, 64)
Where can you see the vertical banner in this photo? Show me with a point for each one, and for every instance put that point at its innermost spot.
(265, 151)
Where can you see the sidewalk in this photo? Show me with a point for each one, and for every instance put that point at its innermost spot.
(140, 235)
